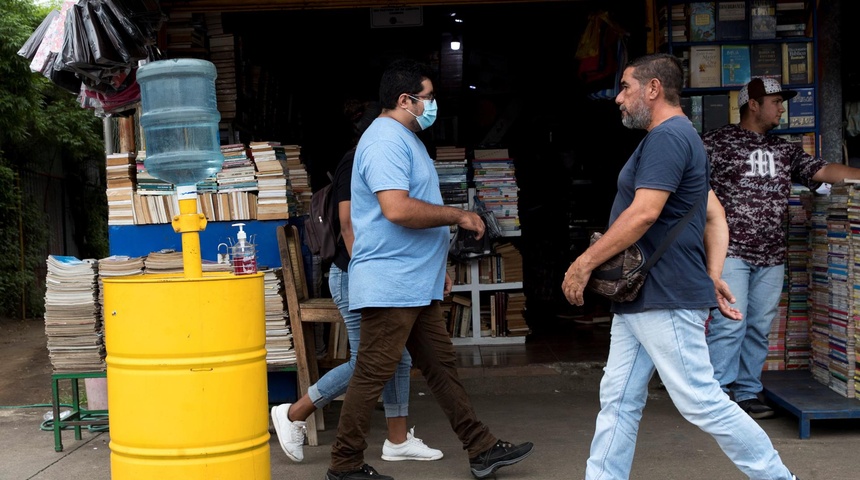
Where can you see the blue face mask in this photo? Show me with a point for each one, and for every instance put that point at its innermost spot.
(426, 119)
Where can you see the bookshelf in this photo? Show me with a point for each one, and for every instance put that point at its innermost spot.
(479, 294)
(774, 38)
(493, 282)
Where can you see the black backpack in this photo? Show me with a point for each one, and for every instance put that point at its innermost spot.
(322, 228)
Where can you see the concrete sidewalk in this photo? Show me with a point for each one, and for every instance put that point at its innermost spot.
(552, 405)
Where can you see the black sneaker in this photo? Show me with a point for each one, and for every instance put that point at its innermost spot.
(501, 454)
(794, 477)
(755, 408)
(366, 472)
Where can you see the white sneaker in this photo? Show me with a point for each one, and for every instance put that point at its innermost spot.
(412, 449)
(290, 434)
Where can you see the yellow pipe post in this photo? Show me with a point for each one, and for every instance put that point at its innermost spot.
(188, 223)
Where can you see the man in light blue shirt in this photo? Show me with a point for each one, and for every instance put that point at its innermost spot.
(398, 277)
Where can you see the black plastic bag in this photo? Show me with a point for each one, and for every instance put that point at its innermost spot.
(130, 50)
(101, 47)
(28, 50)
(64, 79)
(75, 55)
(465, 246)
(124, 23)
(145, 15)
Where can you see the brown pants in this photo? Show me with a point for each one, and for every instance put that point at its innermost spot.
(384, 332)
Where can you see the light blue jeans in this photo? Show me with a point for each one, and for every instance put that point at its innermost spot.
(738, 349)
(395, 394)
(673, 342)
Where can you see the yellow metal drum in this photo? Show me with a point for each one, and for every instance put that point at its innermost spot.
(186, 377)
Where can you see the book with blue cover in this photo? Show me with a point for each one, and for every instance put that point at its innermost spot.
(702, 22)
(735, 65)
(801, 109)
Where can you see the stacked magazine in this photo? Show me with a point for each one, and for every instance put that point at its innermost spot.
(73, 324)
(279, 338)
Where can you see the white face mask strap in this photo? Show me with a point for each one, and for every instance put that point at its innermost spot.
(410, 113)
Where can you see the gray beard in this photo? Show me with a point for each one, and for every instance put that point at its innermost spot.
(639, 117)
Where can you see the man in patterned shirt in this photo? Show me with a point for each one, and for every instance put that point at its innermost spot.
(751, 174)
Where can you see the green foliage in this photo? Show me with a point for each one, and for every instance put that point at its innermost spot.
(20, 292)
(18, 99)
(38, 116)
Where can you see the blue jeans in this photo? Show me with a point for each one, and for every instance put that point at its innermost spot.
(738, 349)
(673, 342)
(395, 394)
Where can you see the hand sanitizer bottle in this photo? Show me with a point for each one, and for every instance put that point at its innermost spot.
(243, 255)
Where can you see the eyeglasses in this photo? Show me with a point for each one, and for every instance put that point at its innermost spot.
(430, 97)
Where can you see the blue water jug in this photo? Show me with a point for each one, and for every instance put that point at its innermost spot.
(180, 120)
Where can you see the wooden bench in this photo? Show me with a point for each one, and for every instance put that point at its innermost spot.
(304, 312)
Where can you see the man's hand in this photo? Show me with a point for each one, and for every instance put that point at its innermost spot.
(724, 300)
(473, 222)
(574, 282)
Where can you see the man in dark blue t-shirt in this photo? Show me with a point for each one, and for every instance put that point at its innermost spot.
(664, 327)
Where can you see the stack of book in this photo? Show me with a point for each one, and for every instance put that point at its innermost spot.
(841, 278)
(222, 53)
(185, 35)
(73, 321)
(498, 314)
(236, 175)
(148, 184)
(283, 156)
(819, 297)
(214, 23)
(120, 176)
(279, 338)
(163, 261)
(797, 271)
(496, 186)
(460, 316)
(515, 314)
(673, 25)
(511, 261)
(116, 266)
(151, 208)
(237, 186)
(300, 182)
(452, 168)
(270, 163)
(775, 359)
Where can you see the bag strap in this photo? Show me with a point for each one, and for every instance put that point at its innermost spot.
(673, 234)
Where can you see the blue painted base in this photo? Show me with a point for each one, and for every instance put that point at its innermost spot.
(141, 240)
(799, 393)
